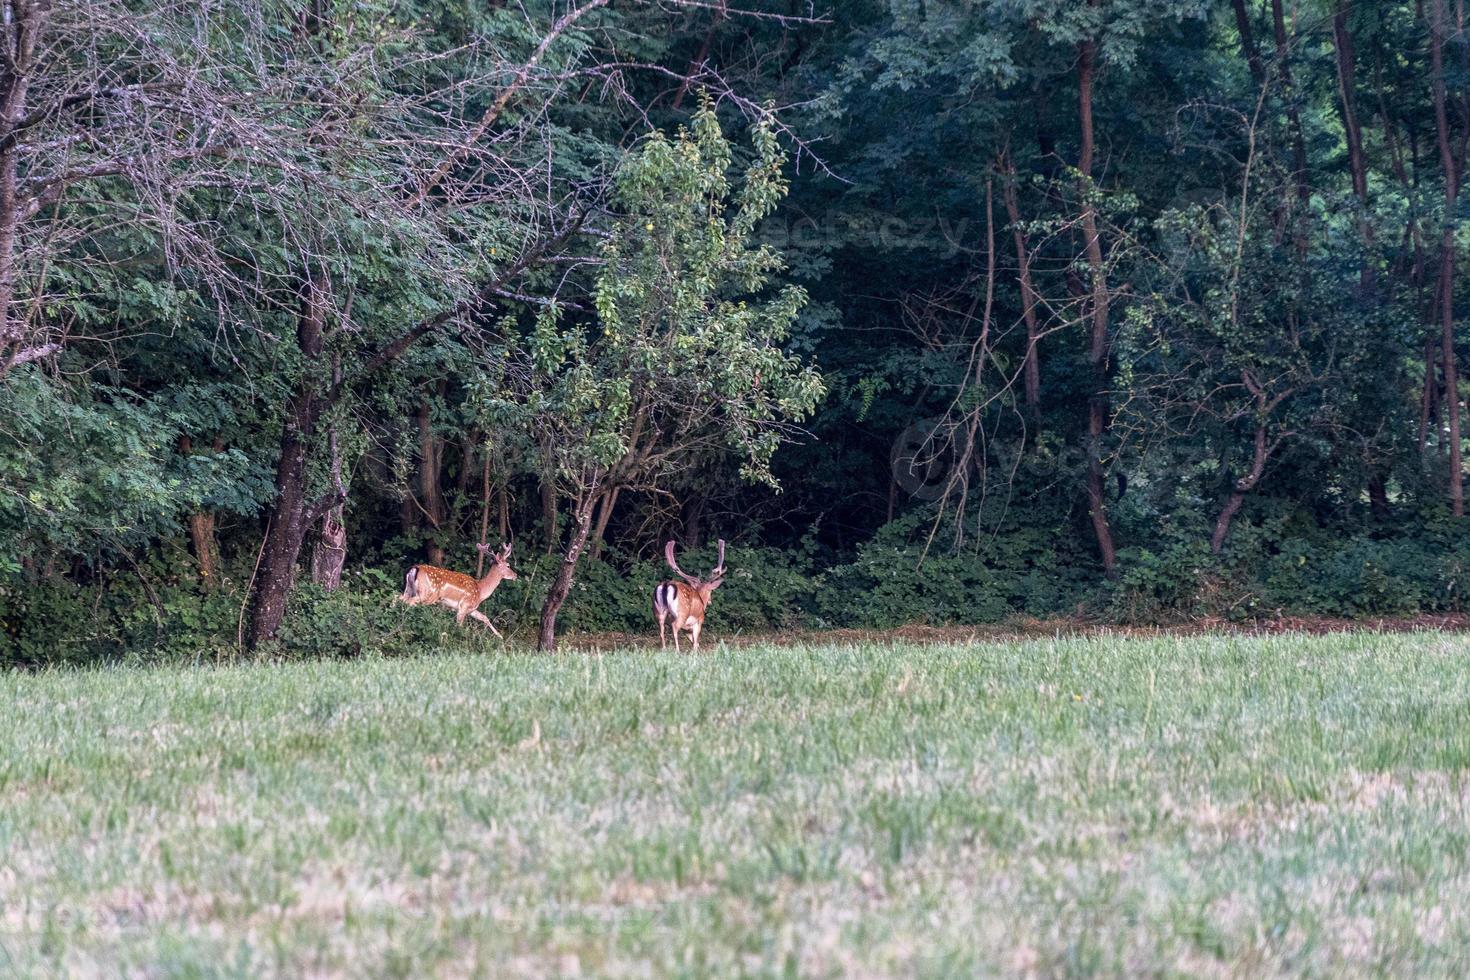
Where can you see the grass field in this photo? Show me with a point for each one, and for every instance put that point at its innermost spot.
(1214, 806)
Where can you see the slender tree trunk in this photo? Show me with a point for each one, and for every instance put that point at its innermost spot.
(1353, 132)
(700, 58)
(692, 519)
(484, 510)
(12, 327)
(431, 496)
(604, 514)
(466, 464)
(1248, 43)
(1409, 180)
(1378, 495)
(1428, 409)
(290, 513)
(330, 553)
(287, 531)
(1260, 453)
(408, 513)
(21, 32)
(1097, 408)
(550, 518)
(1031, 369)
(206, 547)
(201, 526)
(1451, 377)
(503, 517)
(1293, 116)
(1447, 257)
(561, 586)
(1222, 523)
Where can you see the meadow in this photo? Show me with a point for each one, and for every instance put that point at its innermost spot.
(1222, 805)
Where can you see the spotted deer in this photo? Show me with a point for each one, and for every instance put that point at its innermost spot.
(683, 604)
(429, 584)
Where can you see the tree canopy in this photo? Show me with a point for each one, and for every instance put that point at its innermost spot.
(937, 311)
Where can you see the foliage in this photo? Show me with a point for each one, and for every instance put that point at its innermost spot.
(684, 356)
(558, 303)
(89, 473)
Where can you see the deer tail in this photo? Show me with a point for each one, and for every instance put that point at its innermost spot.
(665, 598)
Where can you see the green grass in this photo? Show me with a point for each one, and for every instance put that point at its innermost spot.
(1234, 806)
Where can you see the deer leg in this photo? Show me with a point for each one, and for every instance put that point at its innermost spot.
(663, 640)
(476, 614)
(676, 638)
(694, 629)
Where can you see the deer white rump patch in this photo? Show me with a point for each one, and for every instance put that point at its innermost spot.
(668, 598)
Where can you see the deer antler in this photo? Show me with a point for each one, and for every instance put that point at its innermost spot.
(669, 557)
(719, 570)
(504, 552)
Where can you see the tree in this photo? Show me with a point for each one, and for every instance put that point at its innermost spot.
(684, 356)
(429, 252)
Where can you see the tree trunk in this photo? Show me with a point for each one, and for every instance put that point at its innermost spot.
(1347, 106)
(206, 547)
(697, 64)
(503, 517)
(1248, 43)
(1243, 486)
(549, 515)
(561, 587)
(431, 496)
(330, 553)
(290, 513)
(201, 526)
(1378, 495)
(1428, 407)
(1293, 116)
(1097, 409)
(1222, 523)
(1447, 257)
(286, 532)
(408, 513)
(1031, 369)
(604, 514)
(22, 32)
(466, 464)
(1451, 376)
(484, 509)
(692, 519)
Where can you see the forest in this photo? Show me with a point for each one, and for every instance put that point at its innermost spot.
(936, 311)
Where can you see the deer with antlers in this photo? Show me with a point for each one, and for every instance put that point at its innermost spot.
(683, 604)
(429, 584)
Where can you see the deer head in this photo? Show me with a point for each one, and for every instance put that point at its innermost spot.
(716, 575)
(499, 560)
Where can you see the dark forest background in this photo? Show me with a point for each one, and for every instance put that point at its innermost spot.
(936, 310)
